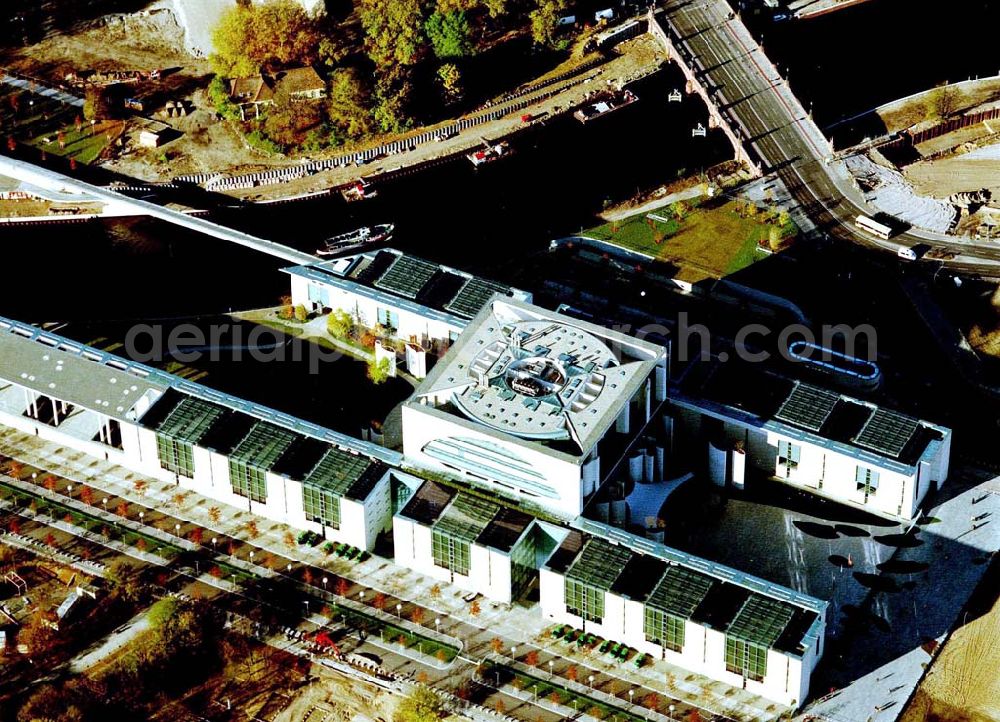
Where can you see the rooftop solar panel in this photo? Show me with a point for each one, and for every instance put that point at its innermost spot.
(599, 564)
(761, 620)
(467, 517)
(337, 471)
(407, 276)
(263, 445)
(680, 591)
(887, 432)
(190, 420)
(473, 295)
(807, 407)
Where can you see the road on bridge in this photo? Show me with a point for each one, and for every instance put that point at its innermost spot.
(750, 93)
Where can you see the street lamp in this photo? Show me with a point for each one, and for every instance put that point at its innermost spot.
(671, 708)
(105, 502)
(289, 567)
(551, 665)
(251, 557)
(513, 652)
(214, 542)
(437, 624)
(399, 611)
(361, 596)
(177, 529)
(325, 580)
(590, 678)
(306, 602)
(631, 694)
(141, 515)
(69, 490)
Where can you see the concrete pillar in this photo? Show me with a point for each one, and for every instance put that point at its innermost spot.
(622, 424)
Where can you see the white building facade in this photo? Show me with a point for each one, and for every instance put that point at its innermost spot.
(739, 630)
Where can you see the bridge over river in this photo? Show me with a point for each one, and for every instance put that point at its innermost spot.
(755, 107)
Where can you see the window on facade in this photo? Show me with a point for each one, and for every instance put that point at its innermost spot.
(248, 481)
(175, 456)
(321, 506)
(315, 293)
(388, 318)
(450, 553)
(788, 455)
(746, 659)
(867, 480)
(584, 601)
(664, 629)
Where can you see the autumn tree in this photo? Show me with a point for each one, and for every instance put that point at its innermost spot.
(450, 78)
(422, 705)
(545, 21)
(531, 658)
(378, 371)
(254, 37)
(349, 110)
(417, 615)
(215, 514)
(393, 31)
(343, 587)
(474, 608)
(339, 324)
(379, 601)
(496, 644)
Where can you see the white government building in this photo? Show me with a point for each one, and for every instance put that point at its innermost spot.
(520, 425)
(166, 428)
(419, 302)
(752, 422)
(534, 405)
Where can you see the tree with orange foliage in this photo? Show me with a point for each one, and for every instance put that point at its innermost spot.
(651, 701)
(379, 601)
(417, 615)
(571, 673)
(122, 509)
(496, 644)
(87, 496)
(214, 514)
(474, 608)
(531, 658)
(342, 586)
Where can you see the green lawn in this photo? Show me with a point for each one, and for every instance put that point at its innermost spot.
(84, 146)
(711, 239)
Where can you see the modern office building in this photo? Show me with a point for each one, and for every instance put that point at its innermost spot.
(418, 301)
(470, 541)
(742, 422)
(169, 429)
(695, 614)
(534, 405)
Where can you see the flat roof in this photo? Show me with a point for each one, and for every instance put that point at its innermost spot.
(761, 620)
(797, 409)
(87, 371)
(506, 528)
(410, 283)
(539, 376)
(50, 365)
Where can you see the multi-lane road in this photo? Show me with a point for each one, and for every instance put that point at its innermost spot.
(752, 96)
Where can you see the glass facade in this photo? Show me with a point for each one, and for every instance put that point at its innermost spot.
(584, 601)
(248, 481)
(867, 480)
(175, 456)
(522, 565)
(664, 629)
(321, 506)
(788, 456)
(746, 659)
(450, 553)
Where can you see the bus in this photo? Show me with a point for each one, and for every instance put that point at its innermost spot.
(874, 227)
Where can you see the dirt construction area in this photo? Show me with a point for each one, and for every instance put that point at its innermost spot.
(962, 684)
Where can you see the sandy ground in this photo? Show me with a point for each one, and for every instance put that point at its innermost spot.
(963, 684)
(336, 697)
(909, 112)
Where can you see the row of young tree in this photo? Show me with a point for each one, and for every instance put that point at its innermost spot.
(389, 62)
